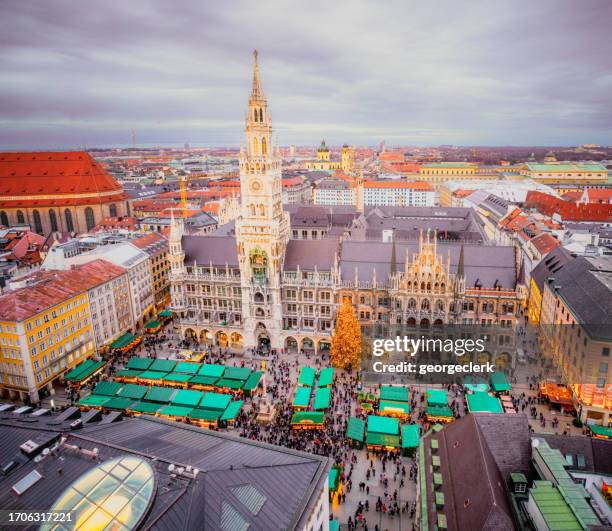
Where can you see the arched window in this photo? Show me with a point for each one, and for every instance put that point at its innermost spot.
(68, 217)
(262, 211)
(412, 304)
(425, 304)
(112, 209)
(252, 210)
(255, 147)
(439, 306)
(4, 219)
(90, 220)
(255, 113)
(264, 145)
(53, 220)
(37, 222)
(20, 218)
(261, 115)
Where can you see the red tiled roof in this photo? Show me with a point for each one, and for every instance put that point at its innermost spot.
(401, 167)
(53, 287)
(292, 181)
(549, 205)
(391, 156)
(545, 243)
(415, 185)
(150, 238)
(599, 195)
(124, 222)
(55, 174)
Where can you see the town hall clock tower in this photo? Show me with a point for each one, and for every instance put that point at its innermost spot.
(262, 229)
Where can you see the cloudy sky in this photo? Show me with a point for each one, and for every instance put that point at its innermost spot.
(490, 72)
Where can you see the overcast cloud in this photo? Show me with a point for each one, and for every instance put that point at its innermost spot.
(76, 73)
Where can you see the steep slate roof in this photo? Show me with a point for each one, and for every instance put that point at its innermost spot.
(310, 253)
(483, 263)
(548, 267)
(220, 250)
(597, 452)
(234, 473)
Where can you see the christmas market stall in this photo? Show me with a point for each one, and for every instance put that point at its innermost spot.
(410, 439)
(307, 420)
(481, 401)
(84, 372)
(355, 432)
(152, 327)
(383, 433)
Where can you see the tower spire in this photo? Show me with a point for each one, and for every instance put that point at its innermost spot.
(460, 265)
(393, 268)
(256, 92)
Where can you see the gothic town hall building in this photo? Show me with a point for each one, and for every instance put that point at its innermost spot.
(279, 272)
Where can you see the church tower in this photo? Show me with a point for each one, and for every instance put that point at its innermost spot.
(262, 230)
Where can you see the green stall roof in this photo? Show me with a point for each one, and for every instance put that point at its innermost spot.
(152, 324)
(187, 367)
(199, 379)
(230, 384)
(119, 402)
(141, 364)
(394, 393)
(162, 365)
(410, 436)
(437, 397)
(602, 431)
(212, 369)
(307, 417)
(133, 391)
(236, 373)
(481, 401)
(333, 479)
(302, 397)
(322, 398)
(384, 425)
(107, 388)
(128, 373)
(334, 525)
(390, 405)
(165, 313)
(439, 411)
(307, 376)
(84, 370)
(175, 411)
(499, 382)
(187, 397)
(152, 375)
(326, 377)
(205, 414)
(216, 401)
(123, 340)
(144, 407)
(94, 400)
(253, 381)
(232, 410)
(177, 377)
(475, 385)
(382, 439)
(162, 395)
(355, 429)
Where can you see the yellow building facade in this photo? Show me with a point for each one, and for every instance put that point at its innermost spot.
(324, 160)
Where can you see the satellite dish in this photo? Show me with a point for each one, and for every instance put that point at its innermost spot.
(535, 443)
(171, 467)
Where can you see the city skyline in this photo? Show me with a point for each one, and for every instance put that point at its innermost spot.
(334, 72)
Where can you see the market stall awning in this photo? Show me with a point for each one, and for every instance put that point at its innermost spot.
(439, 411)
(175, 411)
(474, 385)
(205, 414)
(211, 369)
(232, 410)
(162, 365)
(165, 313)
(437, 397)
(127, 373)
(355, 429)
(107, 388)
(94, 400)
(141, 364)
(333, 480)
(326, 377)
(322, 398)
(601, 431)
(177, 377)
(123, 341)
(145, 407)
(389, 406)
(215, 401)
(307, 376)
(84, 371)
(187, 367)
(187, 397)
(119, 403)
(229, 384)
(133, 391)
(481, 401)
(237, 373)
(203, 380)
(499, 382)
(410, 436)
(152, 325)
(152, 375)
(252, 381)
(394, 393)
(385, 425)
(307, 417)
(162, 395)
(382, 439)
(302, 397)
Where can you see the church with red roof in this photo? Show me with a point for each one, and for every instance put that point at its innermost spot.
(57, 192)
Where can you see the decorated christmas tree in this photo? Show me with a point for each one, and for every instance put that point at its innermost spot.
(346, 341)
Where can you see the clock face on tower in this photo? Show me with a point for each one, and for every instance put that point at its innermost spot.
(255, 186)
